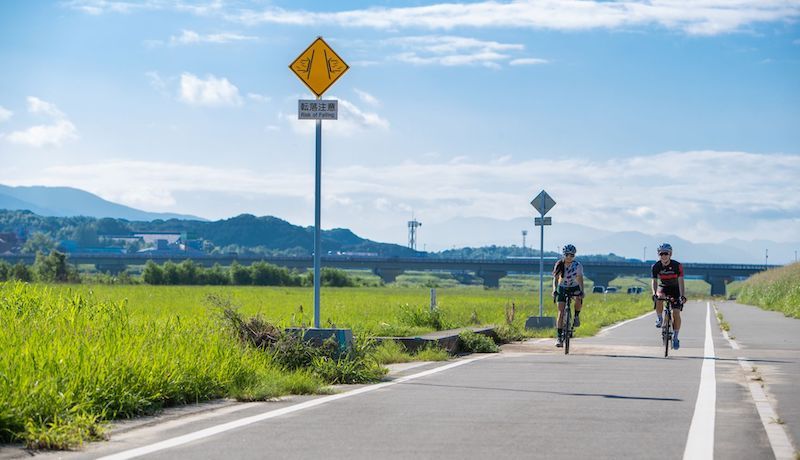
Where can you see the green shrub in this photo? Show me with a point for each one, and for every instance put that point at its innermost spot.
(471, 342)
(508, 333)
(424, 317)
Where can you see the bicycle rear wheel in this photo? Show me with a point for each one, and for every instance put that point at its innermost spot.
(567, 327)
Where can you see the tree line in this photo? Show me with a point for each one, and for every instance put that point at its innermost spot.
(55, 268)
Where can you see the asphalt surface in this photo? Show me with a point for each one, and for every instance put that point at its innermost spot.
(615, 396)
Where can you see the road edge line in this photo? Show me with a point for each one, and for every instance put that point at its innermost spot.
(777, 436)
(214, 430)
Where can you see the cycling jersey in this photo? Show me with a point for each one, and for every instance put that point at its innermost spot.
(569, 275)
(667, 275)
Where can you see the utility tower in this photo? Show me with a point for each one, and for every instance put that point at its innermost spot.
(413, 224)
(524, 234)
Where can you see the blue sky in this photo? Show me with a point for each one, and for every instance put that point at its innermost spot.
(660, 116)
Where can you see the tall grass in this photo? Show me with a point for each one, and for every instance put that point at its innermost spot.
(777, 289)
(71, 361)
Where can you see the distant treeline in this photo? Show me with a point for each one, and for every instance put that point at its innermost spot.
(46, 269)
(257, 274)
(54, 268)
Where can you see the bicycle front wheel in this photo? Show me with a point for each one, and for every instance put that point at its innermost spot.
(667, 332)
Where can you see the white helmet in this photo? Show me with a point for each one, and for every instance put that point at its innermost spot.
(664, 247)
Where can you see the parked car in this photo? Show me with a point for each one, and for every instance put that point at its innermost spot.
(600, 289)
(611, 290)
(635, 290)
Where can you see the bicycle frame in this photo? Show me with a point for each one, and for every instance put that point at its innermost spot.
(666, 325)
(567, 318)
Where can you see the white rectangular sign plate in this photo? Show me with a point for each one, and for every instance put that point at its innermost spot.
(317, 109)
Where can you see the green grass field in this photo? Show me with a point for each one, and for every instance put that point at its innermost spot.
(75, 356)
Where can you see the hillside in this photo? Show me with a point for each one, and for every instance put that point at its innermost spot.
(240, 233)
(67, 201)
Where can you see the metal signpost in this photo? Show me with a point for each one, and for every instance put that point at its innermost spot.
(542, 203)
(318, 67)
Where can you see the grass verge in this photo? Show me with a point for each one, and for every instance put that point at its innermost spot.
(71, 362)
(777, 289)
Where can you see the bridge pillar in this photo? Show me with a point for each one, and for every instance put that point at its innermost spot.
(388, 275)
(718, 284)
(491, 279)
(601, 279)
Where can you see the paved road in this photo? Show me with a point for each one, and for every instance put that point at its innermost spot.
(613, 397)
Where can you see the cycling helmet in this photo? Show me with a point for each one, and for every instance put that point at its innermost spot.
(664, 247)
(569, 249)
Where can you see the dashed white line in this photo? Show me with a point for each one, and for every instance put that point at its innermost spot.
(214, 430)
(700, 443)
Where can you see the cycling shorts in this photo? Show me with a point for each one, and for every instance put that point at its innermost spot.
(575, 291)
(671, 291)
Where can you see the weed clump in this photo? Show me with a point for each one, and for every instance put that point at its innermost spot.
(424, 317)
(471, 342)
(291, 352)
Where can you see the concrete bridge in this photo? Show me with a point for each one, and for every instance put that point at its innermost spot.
(388, 268)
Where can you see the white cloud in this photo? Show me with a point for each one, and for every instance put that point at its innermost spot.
(211, 92)
(700, 17)
(260, 98)
(449, 50)
(367, 98)
(55, 133)
(699, 195)
(5, 114)
(189, 37)
(695, 17)
(528, 61)
(98, 7)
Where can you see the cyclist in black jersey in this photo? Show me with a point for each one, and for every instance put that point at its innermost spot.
(668, 282)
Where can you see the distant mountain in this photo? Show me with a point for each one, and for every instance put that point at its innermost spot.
(241, 233)
(67, 201)
(477, 232)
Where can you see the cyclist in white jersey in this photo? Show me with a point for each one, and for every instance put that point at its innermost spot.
(568, 278)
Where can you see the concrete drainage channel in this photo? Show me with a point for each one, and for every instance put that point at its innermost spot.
(447, 339)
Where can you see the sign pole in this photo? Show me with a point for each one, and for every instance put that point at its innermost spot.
(541, 265)
(542, 203)
(317, 222)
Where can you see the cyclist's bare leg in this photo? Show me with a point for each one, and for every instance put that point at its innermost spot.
(659, 308)
(560, 320)
(676, 319)
(578, 303)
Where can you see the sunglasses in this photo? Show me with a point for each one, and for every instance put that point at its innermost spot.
(663, 253)
(569, 255)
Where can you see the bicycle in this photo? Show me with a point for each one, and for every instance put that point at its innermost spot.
(666, 324)
(567, 317)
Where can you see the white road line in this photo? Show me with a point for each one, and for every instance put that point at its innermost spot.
(700, 443)
(776, 433)
(778, 439)
(214, 430)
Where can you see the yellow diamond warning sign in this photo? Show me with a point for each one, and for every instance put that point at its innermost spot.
(319, 66)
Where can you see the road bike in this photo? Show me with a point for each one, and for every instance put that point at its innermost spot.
(567, 317)
(666, 324)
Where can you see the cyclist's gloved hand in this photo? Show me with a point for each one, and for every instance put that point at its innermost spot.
(683, 299)
(655, 297)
